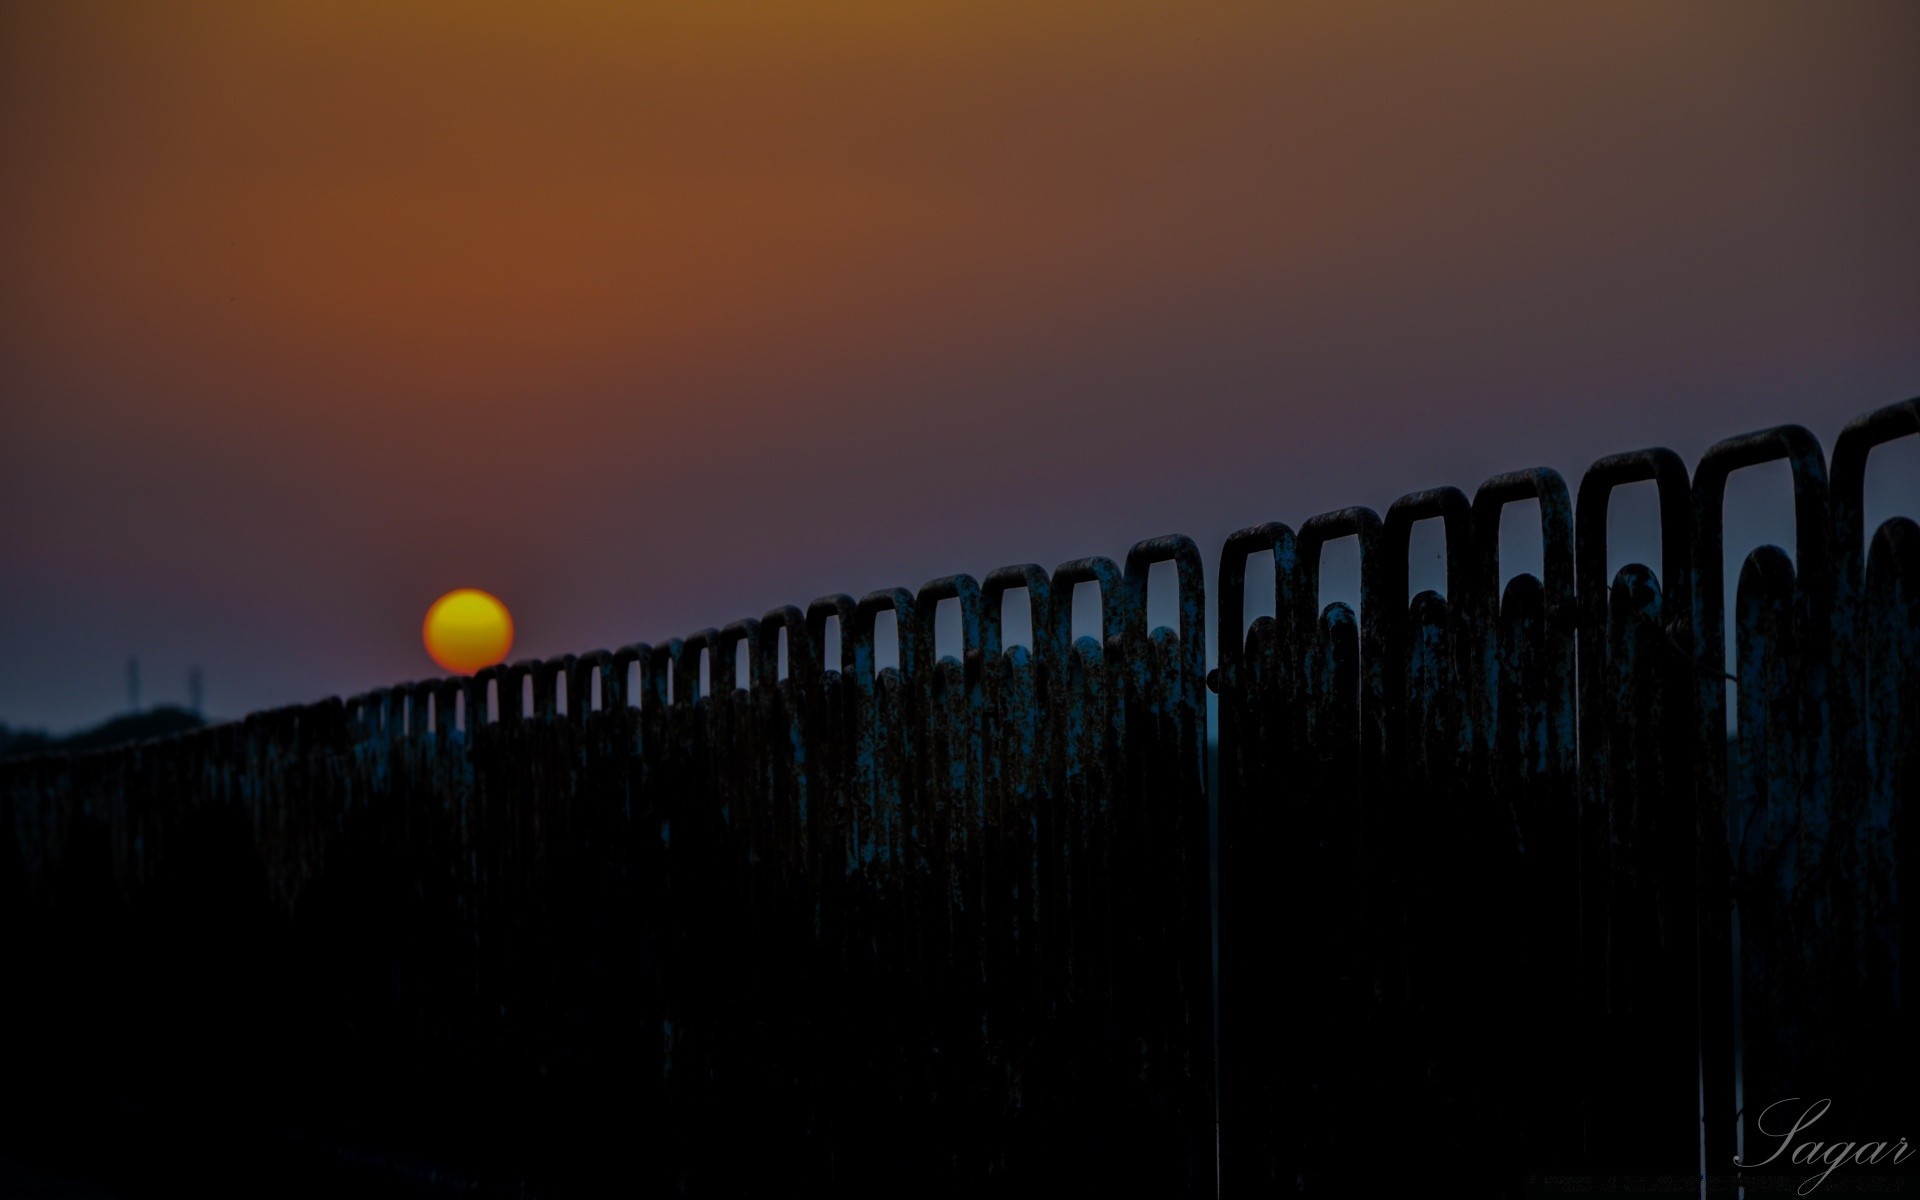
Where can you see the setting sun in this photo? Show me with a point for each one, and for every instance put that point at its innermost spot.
(467, 629)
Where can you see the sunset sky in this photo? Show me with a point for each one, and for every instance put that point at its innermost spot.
(645, 316)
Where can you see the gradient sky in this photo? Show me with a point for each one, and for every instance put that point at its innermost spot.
(647, 316)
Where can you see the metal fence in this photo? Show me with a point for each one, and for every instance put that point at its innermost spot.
(1498, 893)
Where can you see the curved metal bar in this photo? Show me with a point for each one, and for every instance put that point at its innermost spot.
(1364, 525)
(513, 700)
(419, 693)
(394, 722)
(803, 650)
(657, 672)
(1357, 522)
(1180, 550)
(1850, 536)
(547, 676)
(580, 675)
(1669, 476)
(838, 607)
(400, 702)
(1448, 505)
(1814, 572)
(479, 712)
(857, 641)
(1849, 474)
(446, 702)
(1243, 822)
(724, 663)
(926, 608)
(684, 661)
(1232, 604)
(613, 684)
(1592, 587)
(360, 714)
(1813, 559)
(1098, 570)
(999, 582)
(1545, 485)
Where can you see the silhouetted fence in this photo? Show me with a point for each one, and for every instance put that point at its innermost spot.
(1497, 892)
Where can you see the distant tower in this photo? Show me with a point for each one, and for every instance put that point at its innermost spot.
(193, 691)
(133, 684)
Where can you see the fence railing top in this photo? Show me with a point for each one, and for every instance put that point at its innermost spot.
(1829, 561)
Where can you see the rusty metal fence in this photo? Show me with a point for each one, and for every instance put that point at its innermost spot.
(1498, 893)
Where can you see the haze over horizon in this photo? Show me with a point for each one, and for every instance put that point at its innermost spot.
(647, 319)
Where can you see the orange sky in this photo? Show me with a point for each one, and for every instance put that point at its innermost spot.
(649, 316)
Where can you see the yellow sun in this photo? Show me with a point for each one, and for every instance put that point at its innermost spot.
(467, 629)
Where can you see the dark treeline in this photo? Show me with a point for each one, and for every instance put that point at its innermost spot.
(161, 721)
